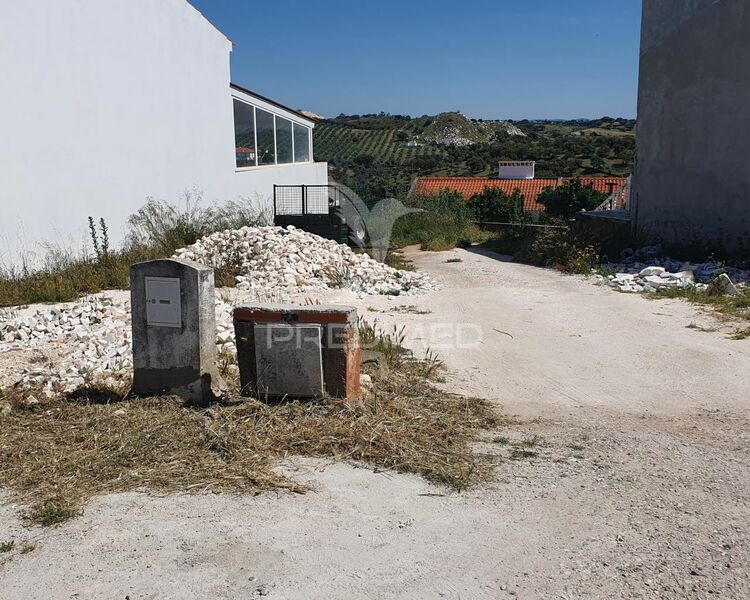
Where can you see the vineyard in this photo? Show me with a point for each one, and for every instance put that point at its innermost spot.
(339, 143)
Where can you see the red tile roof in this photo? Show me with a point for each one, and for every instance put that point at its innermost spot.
(529, 188)
(608, 185)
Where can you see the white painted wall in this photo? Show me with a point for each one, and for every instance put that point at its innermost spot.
(106, 103)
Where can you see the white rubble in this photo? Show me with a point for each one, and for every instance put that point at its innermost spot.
(276, 258)
(651, 279)
(94, 340)
(90, 340)
(646, 270)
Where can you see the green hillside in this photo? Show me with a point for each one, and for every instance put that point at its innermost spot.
(379, 155)
(338, 142)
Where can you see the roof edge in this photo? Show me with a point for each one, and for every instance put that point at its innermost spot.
(207, 20)
(239, 88)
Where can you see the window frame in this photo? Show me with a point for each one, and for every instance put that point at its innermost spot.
(309, 144)
(255, 134)
(291, 135)
(257, 150)
(275, 112)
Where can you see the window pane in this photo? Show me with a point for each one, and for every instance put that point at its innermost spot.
(284, 140)
(244, 134)
(264, 125)
(301, 143)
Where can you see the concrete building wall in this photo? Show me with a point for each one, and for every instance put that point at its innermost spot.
(692, 177)
(106, 103)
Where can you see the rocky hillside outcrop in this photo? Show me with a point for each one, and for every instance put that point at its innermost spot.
(454, 129)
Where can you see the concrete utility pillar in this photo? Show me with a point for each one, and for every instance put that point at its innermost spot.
(298, 352)
(174, 329)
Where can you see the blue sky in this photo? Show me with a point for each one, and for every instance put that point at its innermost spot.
(488, 59)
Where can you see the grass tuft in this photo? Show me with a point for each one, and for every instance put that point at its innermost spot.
(521, 454)
(53, 511)
(28, 547)
(532, 442)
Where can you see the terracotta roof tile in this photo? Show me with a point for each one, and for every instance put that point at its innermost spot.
(529, 188)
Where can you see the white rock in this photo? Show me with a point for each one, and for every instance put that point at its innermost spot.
(651, 271)
(654, 281)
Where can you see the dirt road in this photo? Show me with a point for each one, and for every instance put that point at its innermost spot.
(636, 483)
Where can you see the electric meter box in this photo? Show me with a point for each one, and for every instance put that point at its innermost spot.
(163, 306)
(174, 329)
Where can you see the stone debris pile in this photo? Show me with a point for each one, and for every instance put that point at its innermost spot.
(650, 279)
(276, 258)
(647, 270)
(92, 336)
(93, 339)
(76, 321)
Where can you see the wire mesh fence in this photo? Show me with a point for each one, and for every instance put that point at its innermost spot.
(302, 199)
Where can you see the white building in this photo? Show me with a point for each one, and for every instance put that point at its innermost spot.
(517, 169)
(107, 103)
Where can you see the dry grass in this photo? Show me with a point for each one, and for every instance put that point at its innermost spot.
(66, 276)
(730, 310)
(57, 456)
(155, 231)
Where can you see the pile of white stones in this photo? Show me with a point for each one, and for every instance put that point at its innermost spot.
(93, 341)
(80, 320)
(274, 258)
(646, 270)
(90, 341)
(650, 279)
(92, 337)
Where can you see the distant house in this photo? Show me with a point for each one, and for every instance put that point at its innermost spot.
(529, 188)
(517, 169)
(106, 103)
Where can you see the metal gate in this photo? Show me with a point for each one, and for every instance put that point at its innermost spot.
(325, 210)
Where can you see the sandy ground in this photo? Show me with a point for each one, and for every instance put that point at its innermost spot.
(641, 486)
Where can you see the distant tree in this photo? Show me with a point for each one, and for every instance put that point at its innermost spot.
(364, 160)
(402, 136)
(423, 164)
(495, 206)
(476, 164)
(568, 199)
